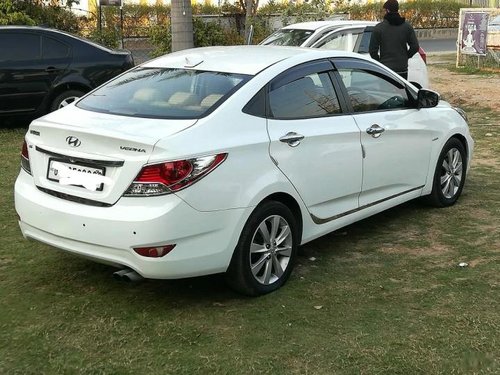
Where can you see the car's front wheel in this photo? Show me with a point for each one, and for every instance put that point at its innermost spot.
(264, 257)
(65, 98)
(449, 176)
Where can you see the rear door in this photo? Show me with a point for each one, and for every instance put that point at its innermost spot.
(23, 79)
(30, 64)
(313, 142)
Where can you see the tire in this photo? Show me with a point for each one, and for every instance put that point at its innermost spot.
(449, 176)
(262, 262)
(65, 98)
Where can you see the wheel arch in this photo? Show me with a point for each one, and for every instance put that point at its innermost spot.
(463, 141)
(292, 204)
(66, 87)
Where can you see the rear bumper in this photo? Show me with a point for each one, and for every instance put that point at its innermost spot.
(204, 240)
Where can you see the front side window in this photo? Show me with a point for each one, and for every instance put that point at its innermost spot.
(309, 96)
(368, 91)
(19, 47)
(164, 93)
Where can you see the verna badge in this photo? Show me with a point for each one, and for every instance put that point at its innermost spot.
(73, 141)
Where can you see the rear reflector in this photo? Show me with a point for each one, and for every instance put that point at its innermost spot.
(422, 54)
(155, 251)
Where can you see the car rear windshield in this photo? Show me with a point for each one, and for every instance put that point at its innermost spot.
(288, 37)
(164, 93)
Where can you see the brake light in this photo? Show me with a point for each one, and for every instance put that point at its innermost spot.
(25, 158)
(422, 54)
(172, 176)
(155, 251)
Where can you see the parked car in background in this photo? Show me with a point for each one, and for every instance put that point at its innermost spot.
(226, 159)
(342, 35)
(44, 69)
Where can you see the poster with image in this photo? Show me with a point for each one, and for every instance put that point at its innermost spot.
(474, 33)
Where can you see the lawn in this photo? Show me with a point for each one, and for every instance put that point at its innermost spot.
(383, 296)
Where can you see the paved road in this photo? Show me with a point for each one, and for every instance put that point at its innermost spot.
(438, 45)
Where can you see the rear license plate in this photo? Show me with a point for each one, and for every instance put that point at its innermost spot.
(62, 169)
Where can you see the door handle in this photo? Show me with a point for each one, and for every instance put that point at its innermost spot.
(375, 130)
(293, 139)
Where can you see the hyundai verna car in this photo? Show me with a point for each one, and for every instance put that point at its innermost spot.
(226, 159)
(344, 35)
(44, 69)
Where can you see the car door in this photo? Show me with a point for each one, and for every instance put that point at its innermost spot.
(23, 80)
(395, 135)
(56, 57)
(313, 142)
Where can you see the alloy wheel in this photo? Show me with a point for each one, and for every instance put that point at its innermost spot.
(451, 173)
(67, 101)
(270, 249)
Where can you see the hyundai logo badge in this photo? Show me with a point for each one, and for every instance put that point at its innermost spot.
(73, 141)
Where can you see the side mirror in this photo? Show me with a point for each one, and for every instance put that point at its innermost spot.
(427, 99)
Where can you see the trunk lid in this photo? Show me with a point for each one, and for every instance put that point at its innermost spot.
(71, 150)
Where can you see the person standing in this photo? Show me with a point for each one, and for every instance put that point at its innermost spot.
(393, 40)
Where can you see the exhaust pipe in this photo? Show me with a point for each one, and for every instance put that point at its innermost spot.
(132, 277)
(127, 275)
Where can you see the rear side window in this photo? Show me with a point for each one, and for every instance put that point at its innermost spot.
(288, 37)
(343, 41)
(53, 49)
(364, 45)
(164, 93)
(309, 96)
(19, 47)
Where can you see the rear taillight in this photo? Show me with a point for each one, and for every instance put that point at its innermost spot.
(25, 158)
(422, 54)
(172, 176)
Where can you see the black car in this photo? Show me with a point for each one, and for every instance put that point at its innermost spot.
(44, 69)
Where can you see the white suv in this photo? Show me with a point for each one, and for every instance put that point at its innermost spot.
(345, 36)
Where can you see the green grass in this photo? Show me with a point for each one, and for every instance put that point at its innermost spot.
(383, 296)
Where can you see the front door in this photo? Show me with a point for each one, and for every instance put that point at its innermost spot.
(396, 137)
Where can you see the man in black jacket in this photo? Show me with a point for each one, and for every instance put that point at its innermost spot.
(396, 40)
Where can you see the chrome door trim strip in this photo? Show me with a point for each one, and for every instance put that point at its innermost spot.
(318, 220)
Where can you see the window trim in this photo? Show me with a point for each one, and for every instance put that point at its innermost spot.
(353, 63)
(311, 67)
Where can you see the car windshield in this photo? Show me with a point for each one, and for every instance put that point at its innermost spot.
(164, 93)
(288, 37)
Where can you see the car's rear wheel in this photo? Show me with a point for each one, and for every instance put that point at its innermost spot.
(449, 176)
(265, 255)
(65, 98)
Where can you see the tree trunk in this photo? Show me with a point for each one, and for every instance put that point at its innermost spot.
(182, 25)
(248, 18)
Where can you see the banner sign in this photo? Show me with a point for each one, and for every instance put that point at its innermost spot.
(474, 33)
(116, 3)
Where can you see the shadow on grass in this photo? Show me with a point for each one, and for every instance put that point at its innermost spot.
(84, 276)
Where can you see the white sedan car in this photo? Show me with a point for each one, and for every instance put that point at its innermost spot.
(226, 159)
(343, 35)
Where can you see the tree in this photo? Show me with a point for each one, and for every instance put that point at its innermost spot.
(182, 25)
(10, 14)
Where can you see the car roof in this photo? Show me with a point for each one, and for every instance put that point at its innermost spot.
(49, 30)
(316, 25)
(243, 59)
